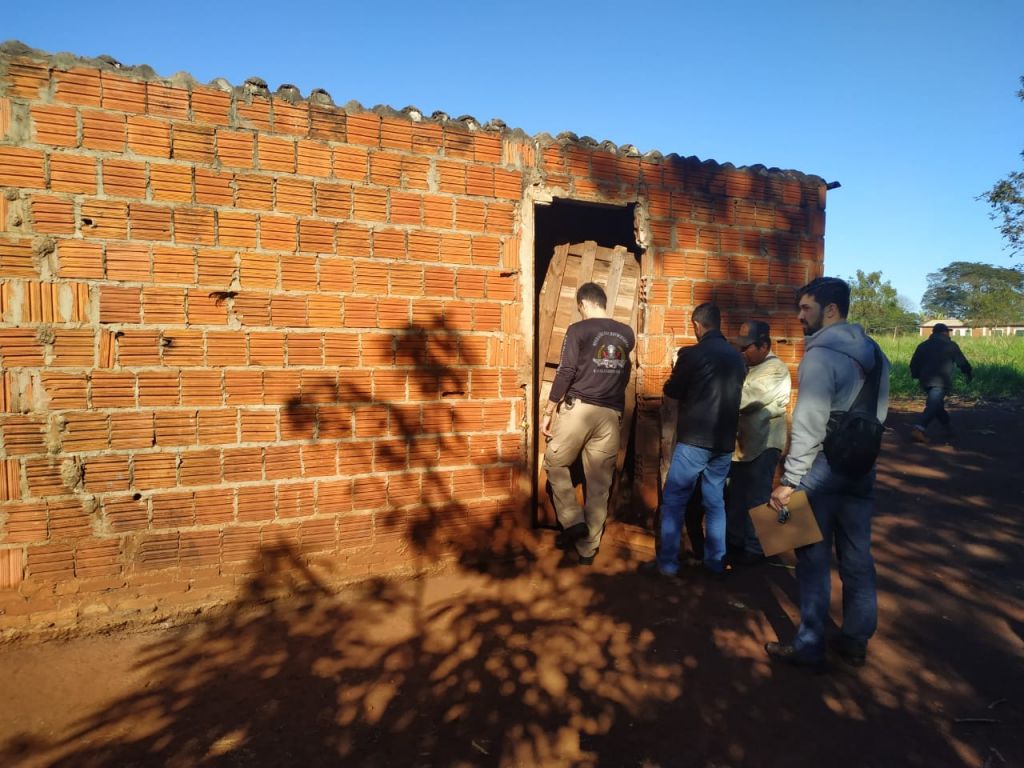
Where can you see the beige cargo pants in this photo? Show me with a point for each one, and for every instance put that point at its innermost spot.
(593, 431)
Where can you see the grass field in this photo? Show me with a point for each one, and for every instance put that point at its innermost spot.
(998, 364)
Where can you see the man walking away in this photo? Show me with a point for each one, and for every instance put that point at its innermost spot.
(839, 359)
(589, 392)
(760, 440)
(932, 366)
(706, 380)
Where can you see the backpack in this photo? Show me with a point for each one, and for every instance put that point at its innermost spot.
(853, 437)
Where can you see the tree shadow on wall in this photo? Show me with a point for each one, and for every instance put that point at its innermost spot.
(433, 419)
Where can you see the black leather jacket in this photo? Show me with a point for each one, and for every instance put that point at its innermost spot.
(707, 381)
(933, 361)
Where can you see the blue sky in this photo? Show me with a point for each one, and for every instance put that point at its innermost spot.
(910, 104)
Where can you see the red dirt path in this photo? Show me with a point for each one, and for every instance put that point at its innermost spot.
(540, 663)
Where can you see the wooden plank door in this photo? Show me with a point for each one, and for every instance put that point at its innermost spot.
(617, 271)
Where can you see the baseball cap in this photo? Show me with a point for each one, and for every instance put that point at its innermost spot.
(752, 332)
(940, 328)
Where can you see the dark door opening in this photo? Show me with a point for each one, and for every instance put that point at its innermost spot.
(567, 221)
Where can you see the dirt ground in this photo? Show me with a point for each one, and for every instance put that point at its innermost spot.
(540, 663)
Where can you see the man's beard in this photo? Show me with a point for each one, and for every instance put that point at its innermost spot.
(810, 330)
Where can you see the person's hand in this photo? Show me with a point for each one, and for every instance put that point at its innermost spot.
(780, 497)
(545, 424)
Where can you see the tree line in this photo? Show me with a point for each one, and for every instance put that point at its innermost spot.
(975, 293)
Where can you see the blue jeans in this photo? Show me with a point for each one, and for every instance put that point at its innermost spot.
(934, 408)
(843, 507)
(688, 462)
(750, 485)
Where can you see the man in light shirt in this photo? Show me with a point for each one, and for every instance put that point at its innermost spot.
(760, 439)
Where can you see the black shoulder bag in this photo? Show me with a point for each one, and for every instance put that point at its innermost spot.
(853, 437)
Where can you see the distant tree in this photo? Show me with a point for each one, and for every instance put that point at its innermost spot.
(1007, 201)
(978, 293)
(875, 304)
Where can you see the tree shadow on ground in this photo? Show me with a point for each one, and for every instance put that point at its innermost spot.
(549, 666)
(542, 663)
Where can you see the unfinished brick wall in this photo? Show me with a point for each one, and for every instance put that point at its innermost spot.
(233, 323)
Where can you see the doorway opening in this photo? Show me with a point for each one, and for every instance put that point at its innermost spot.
(569, 221)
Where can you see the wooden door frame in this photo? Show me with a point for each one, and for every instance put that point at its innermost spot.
(541, 195)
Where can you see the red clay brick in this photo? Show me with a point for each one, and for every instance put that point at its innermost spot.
(275, 153)
(192, 142)
(21, 168)
(72, 173)
(213, 187)
(104, 131)
(55, 126)
(210, 105)
(166, 101)
(326, 123)
(149, 137)
(52, 215)
(149, 222)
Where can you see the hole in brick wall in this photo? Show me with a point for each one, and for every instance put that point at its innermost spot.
(136, 496)
(86, 221)
(219, 297)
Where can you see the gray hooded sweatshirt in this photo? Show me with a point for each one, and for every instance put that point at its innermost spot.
(836, 362)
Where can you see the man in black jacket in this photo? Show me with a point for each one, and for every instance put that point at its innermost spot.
(707, 381)
(932, 366)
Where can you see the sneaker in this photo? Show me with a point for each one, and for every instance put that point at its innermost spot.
(917, 434)
(746, 557)
(568, 538)
(790, 655)
(712, 575)
(849, 651)
(653, 570)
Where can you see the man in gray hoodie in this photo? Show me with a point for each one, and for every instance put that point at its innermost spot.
(838, 358)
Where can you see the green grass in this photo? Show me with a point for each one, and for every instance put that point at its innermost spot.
(998, 364)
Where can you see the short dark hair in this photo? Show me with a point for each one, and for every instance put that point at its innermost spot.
(708, 315)
(827, 290)
(593, 293)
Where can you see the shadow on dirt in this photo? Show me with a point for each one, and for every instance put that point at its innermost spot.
(539, 662)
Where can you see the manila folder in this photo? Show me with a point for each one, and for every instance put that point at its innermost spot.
(799, 530)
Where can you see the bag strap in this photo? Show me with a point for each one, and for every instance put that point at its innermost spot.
(867, 398)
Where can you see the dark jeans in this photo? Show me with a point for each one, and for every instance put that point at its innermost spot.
(843, 507)
(750, 485)
(934, 408)
(691, 464)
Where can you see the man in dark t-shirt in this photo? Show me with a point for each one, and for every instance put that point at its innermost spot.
(589, 394)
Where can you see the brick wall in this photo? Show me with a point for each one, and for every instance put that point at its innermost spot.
(235, 323)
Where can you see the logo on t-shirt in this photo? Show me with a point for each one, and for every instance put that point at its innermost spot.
(610, 352)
